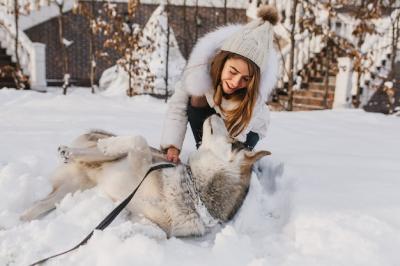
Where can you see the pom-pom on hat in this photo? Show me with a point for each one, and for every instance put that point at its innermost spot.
(255, 40)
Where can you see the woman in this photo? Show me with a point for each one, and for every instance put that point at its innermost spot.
(230, 71)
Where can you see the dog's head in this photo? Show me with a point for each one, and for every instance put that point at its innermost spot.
(217, 141)
(225, 167)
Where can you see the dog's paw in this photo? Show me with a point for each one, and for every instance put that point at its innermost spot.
(102, 145)
(26, 216)
(65, 153)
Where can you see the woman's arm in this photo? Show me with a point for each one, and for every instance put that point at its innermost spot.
(175, 122)
(258, 124)
(260, 121)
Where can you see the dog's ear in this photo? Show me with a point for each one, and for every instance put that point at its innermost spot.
(252, 156)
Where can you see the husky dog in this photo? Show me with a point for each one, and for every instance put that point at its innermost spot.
(185, 200)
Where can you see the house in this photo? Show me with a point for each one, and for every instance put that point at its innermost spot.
(314, 88)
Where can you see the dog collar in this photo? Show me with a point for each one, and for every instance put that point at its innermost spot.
(201, 209)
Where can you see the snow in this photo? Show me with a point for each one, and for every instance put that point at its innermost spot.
(114, 80)
(41, 13)
(328, 194)
(388, 84)
(157, 28)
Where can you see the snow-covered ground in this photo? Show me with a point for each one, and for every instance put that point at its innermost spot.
(336, 202)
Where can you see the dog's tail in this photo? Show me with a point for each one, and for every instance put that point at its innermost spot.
(47, 204)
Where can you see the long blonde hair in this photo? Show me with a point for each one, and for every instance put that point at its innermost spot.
(238, 118)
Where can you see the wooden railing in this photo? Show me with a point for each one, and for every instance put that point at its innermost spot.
(377, 46)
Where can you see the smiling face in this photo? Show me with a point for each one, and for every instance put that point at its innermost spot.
(235, 79)
(235, 75)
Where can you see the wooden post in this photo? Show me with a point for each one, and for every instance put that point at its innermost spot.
(343, 83)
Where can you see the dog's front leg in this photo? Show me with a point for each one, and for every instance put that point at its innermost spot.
(86, 155)
(119, 145)
(139, 155)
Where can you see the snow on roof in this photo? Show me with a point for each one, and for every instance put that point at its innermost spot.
(115, 81)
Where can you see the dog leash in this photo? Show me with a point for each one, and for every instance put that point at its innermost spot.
(112, 215)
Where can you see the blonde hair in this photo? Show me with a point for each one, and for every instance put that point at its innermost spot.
(238, 118)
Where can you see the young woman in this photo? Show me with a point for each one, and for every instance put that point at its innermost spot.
(231, 72)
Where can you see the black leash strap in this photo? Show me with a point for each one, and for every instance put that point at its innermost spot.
(112, 215)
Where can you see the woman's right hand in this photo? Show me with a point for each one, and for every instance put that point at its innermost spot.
(173, 155)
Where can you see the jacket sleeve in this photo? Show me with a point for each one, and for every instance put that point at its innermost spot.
(258, 124)
(175, 122)
(261, 121)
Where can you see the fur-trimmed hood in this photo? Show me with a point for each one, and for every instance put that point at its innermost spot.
(196, 80)
(196, 76)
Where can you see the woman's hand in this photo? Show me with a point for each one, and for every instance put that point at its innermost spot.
(173, 155)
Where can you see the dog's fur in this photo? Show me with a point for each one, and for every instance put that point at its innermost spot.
(221, 173)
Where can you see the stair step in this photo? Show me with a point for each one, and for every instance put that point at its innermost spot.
(302, 97)
(7, 63)
(320, 86)
(316, 79)
(6, 79)
(304, 86)
(322, 92)
(314, 101)
(5, 59)
(12, 85)
(276, 106)
(7, 84)
(313, 93)
(306, 107)
(302, 103)
(5, 56)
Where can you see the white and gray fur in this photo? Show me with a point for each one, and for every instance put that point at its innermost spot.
(221, 174)
(196, 76)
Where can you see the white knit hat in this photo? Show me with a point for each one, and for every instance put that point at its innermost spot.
(255, 40)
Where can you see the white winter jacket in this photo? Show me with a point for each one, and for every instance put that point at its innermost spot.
(196, 81)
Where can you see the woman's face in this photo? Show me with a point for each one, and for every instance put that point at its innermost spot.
(235, 75)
